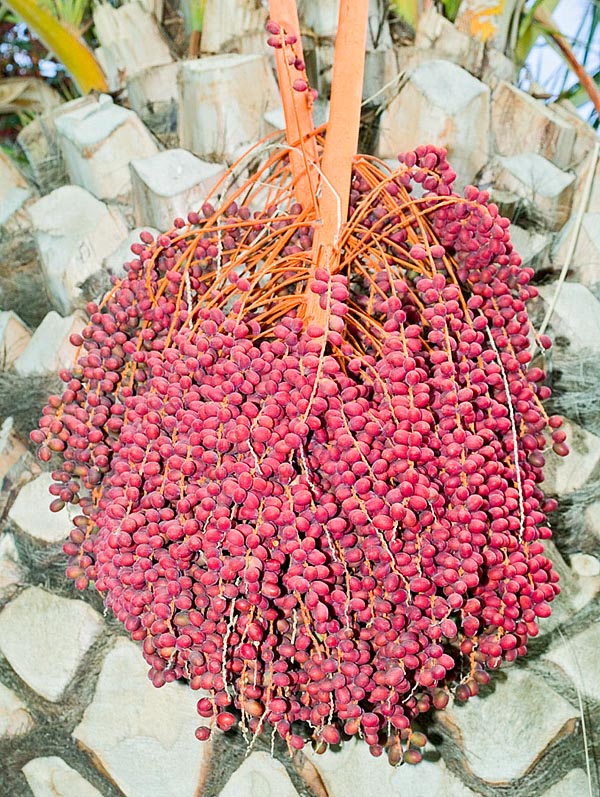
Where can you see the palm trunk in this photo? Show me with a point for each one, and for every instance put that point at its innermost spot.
(493, 21)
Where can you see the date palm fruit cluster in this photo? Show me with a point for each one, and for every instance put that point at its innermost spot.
(315, 493)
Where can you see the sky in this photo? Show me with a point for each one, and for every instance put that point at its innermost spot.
(546, 66)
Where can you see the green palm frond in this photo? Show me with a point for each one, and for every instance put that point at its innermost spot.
(6, 14)
(407, 11)
(65, 44)
(69, 12)
(451, 8)
(577, 94)
(197, 9)
(530, 28)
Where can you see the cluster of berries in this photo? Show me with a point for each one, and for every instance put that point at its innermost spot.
(331, 523)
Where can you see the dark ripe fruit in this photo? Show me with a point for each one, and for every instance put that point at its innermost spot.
(225, 720)
(412, 756)
(202, 733)
(318, 522)
(462, 693)
(440, 699)
(330, 734)
(561, 449)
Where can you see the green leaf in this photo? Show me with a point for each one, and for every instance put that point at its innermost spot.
(577, 94)
(68, 48)
(407, 10)
(69, 12)
(530, 29)
(197, 8)
(451, 8)
(5, 14)
(527, 20)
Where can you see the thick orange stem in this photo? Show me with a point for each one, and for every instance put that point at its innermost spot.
(344, 115)
(297, 106)
(341, 140)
